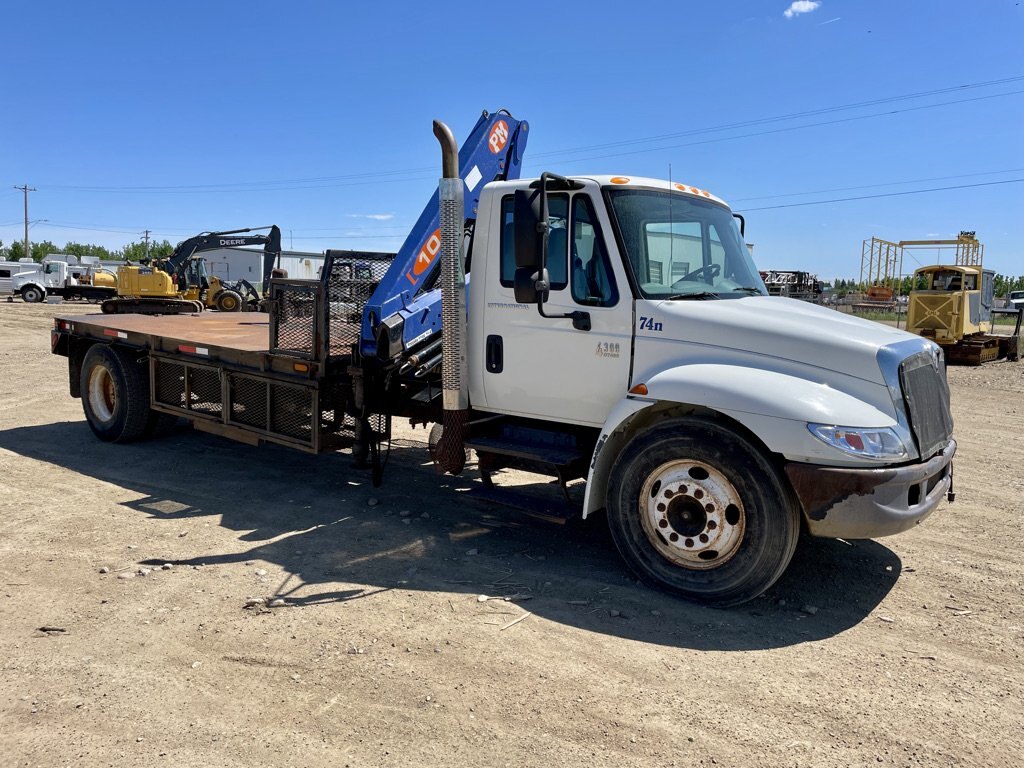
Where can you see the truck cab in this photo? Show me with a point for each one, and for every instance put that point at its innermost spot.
(649, 328)
(56, 277)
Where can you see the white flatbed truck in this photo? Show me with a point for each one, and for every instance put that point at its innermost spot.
(616, 330)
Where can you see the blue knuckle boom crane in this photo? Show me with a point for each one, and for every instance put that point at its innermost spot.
(404, 310)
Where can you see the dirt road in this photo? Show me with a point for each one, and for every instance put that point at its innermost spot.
(905, 651)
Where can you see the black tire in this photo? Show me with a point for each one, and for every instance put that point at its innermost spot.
(32, 294)
(229, 301)
(696, 509)
(115, 394)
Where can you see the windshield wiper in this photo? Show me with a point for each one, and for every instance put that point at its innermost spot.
(694, 295)
(748, 289)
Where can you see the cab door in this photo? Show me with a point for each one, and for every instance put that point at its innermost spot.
(553, 368)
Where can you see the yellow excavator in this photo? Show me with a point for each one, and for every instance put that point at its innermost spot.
(180, 284)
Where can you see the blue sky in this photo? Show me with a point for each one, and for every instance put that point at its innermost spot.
(316, 115)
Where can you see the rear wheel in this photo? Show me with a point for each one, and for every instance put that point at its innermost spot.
(115, 394)
(229, 301)
(32, 294)
(696, 509)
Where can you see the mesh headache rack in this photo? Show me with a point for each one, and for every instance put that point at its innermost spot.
(322, 319)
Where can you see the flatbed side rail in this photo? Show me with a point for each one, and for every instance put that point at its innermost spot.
(248, 406)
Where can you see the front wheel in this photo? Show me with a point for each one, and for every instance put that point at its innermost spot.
(32, 294)
(696, 509)
(229, 301)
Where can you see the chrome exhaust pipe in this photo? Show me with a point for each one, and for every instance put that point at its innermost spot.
(450, 452)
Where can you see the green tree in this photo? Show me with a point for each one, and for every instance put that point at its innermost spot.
(42, 249)
(87, 249)
(137, 251)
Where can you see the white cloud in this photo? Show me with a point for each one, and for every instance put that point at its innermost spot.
(800, 6)
(373, 216)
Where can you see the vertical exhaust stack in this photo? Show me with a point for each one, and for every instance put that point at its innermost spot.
(450, 453)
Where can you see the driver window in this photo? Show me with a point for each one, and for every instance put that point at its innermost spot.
(51, 268)
(592, 281)
(558, 242)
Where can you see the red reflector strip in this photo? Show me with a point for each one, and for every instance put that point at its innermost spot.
(193, 350)
(115, 334)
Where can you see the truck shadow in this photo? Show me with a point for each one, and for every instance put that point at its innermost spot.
(340, 539)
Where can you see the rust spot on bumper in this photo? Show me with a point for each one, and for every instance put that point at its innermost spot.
(821, 488)
(865, 503)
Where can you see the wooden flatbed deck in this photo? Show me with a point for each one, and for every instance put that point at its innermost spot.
(241, 331)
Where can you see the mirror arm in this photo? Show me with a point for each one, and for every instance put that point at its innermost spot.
(580, 320)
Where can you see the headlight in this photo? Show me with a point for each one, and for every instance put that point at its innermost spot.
(866, 442)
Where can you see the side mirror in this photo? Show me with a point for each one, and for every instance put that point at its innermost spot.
(528, 236)
(529, 286)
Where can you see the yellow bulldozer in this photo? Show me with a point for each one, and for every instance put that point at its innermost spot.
(952, 304)
(180, 284)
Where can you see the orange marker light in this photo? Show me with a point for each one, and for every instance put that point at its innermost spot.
(300, 367)
(620, 180)
(639, 389)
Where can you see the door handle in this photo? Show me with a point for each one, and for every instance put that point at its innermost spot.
(495, 357)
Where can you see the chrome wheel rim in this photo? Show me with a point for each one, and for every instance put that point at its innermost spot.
(692, 515)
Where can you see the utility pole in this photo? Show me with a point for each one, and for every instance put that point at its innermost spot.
(26, 189)
(145, 236)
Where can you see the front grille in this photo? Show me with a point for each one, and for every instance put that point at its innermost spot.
(926, 395)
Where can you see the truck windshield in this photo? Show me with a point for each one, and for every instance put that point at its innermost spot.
(678, 246)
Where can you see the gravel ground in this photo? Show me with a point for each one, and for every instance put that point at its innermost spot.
(125, 638)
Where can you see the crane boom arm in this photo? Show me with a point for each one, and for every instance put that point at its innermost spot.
(493, 151)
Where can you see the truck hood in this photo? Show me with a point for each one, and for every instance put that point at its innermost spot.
(773, 327)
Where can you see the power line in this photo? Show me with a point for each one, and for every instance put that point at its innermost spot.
(790, 116)
(405, 175)
(885, 194)
(791, 128)
(357, 234)
(872, 186)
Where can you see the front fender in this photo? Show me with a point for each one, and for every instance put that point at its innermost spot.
(774, 407)
(766, 393)
(22, 287)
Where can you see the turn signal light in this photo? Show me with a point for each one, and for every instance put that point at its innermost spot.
(639, 389)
